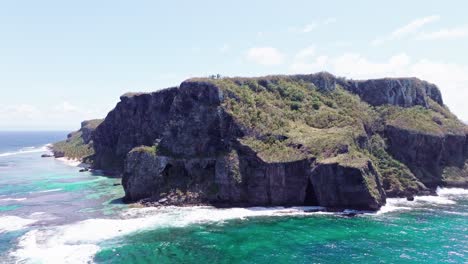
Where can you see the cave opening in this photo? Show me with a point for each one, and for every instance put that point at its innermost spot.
(310, 197)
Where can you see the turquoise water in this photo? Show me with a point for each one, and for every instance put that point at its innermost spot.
(51, 213)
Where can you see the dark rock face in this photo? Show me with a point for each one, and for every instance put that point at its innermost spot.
(427, 155)
(138, 119)
(87, 129)
(336, 185)
(324, 81)
(405, 92)
(195, 114)
(243, 179)
(142, 176)
(198, 156)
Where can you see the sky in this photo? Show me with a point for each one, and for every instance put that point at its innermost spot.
(62, 62)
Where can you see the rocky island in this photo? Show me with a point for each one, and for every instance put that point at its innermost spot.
(278, 140)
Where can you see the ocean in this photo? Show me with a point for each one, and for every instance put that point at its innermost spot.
(52, 213)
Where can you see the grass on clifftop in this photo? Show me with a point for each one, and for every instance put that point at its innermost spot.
(436, 119)
(74, 147)
(288, 119)
(152, 150)
(396, 175)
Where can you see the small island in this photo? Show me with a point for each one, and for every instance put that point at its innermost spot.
(294, 140)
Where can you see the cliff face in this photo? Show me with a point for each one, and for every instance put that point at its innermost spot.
(430, 157)
(79, 144)
(404, 92)
(138, 119)
(283, 140)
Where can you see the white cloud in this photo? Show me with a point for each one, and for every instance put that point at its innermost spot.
(19, 111)
(301, 66)
(447, 33)
(225, 48)
(306, 52)
(359, 66)
(309, 27)
(414, 26)
(305, 60)
(329, 20)
(342, 43)
(63, 115)
(67, 107)
(267, 56)
(452, 79)
(406, 30)
(312, 26)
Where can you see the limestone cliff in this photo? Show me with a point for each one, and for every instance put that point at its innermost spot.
(283, 140)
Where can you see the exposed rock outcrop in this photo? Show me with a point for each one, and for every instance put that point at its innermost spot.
(428, 155)
(282, 140)
(405, 92)
(138, 119)
(338, 184)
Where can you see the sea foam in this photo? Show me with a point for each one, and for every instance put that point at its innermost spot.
(26, 150)
(445, 196)
(12, 223)
(452, 191)
(12, 199)
(79, 242)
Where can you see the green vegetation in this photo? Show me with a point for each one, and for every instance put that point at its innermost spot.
(454, 175)
(396, 175)
(74, 147)
(354, 160)
(433, 120)
(79, 145)
(146, 149)
(289, 119)
(233, 162)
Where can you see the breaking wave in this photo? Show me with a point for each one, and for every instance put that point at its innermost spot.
(445, 196)
(79, 242)
(12, 223)
(26, 150)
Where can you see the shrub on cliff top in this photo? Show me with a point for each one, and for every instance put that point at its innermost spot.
(435, 120)
(152, 150)
(74, 147)
(315, 123)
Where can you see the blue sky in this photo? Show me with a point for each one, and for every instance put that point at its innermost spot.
(65, 61)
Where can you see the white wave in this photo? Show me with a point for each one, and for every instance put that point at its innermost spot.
(420, 202)
(456, 213)
(79, 242)
(434, 199)
(51, 190)
(12, 223)
(26, 150)
(452, 191)
(13, 199)
(70, 162)
(395, 204)
(53, 252)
